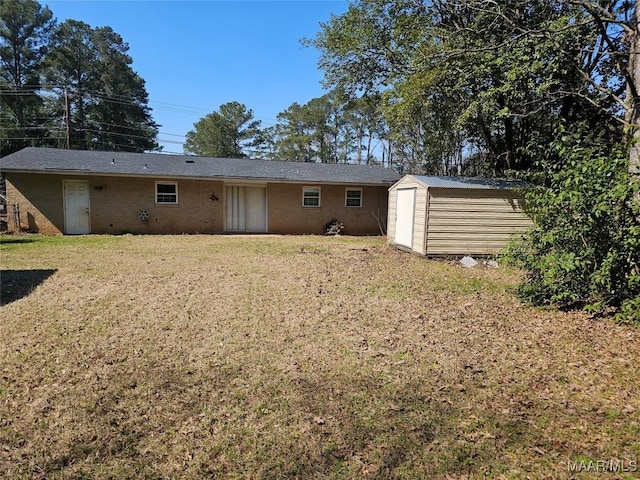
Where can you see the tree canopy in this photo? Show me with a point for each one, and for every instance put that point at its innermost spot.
(25, 30)
(333, 128)
(68, 83)
(108, 101)
(229, 132)
(479, 79)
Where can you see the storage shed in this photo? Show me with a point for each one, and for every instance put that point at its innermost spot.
(433, 215)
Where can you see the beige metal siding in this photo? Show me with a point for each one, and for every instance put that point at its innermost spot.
(473, 222)
(391, 215)
(420, 220)
(419, 216)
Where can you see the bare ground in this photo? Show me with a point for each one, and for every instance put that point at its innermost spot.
(298, 357)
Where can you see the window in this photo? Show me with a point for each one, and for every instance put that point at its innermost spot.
(353, 197)
(166, 193)
(311, 197)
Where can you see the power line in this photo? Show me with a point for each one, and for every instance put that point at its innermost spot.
(51, 129)
(107, 132)
(34, 86)
(107, 144)
(132, 127)
(172, 134)
(116, 101)
(167, 152)
(121, 126)
(103, 132)
(51, 117)
(19, 94)
(126, 100)
(32, 138)
(123, 100)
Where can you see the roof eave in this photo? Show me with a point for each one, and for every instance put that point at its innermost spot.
(193, 177)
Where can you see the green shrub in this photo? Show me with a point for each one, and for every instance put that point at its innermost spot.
(584, 248)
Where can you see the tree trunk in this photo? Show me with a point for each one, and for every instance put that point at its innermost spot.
(634, 67)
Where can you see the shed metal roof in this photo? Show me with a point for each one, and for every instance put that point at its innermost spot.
(83, 162)
(470, 182)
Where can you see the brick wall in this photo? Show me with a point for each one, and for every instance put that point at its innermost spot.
(287, 215)
(42, 211)
(116, 201)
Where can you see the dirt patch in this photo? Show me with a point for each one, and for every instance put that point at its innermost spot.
(301, 357)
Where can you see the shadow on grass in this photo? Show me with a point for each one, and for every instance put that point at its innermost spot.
(11, 241)
(16, 284)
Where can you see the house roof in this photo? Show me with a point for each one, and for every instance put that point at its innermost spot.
(83, 162)
(469, 182)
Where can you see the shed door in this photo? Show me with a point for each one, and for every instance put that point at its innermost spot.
(76, 207)
(405, 204)
(246, 209)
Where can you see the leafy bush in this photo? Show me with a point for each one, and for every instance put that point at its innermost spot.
(584, 248)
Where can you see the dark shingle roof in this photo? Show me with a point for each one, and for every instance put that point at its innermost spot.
(81, 162)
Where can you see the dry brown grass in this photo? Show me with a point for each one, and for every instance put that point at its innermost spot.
(296, 357)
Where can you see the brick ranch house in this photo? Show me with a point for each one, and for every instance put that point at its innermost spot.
(80, 192)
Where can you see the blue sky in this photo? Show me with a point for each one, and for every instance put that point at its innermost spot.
(197, 55)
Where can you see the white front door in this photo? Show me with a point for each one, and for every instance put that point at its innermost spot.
(405, 204)
(246, 209)
(76, 207)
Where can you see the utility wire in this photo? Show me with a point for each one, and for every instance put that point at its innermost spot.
(107, 132)
(32, 138)
(124, 100)
(132, 127)
(51, 129)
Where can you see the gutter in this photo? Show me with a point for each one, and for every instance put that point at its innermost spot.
(261, 180)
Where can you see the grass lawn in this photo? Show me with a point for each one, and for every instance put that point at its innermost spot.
(298, 357)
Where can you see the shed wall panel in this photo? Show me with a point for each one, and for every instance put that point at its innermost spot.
(420, 221)
(391, 216)
(472, 221)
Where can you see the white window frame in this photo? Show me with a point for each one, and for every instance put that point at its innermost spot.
(346, 197)
(305, 190)
(175, 184)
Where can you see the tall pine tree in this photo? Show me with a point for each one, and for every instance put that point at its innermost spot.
(107, 98)
(25, 29)
(42, 64)
(229, 132)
